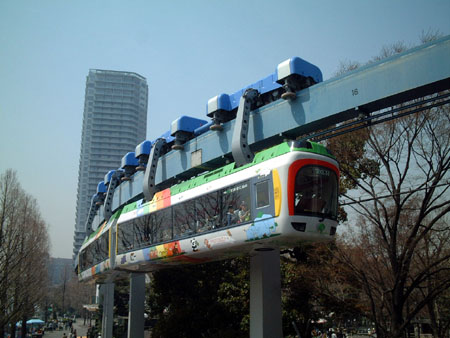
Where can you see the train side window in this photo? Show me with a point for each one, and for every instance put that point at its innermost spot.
(163, 225)
(89, 261)
(104, 253)
(236, 200)
(146, 224)
(125, 237)
(207, 210)
(142, 231)
(89, 255)
(97, 251)
(262, 194)
(83, 260)
(230, 216)
(183, 219)
(137, 241)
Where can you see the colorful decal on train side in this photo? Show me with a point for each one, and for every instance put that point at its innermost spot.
(163, 251)
(100, 232)
(219, 240)
(263, 226)
(194, 244)
(162, 199)
(141, 209)
(97, 269)
(321, 228)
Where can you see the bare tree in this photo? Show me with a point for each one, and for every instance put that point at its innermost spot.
(10, 192)
(23, 253)
(405, 264)
(436, 244)
(398, 249)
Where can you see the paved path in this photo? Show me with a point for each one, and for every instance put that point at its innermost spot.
(78, 325)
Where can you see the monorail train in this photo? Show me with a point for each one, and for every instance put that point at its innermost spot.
(94, 258)
(287, 195)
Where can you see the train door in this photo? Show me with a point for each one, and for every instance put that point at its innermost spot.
(262, 197)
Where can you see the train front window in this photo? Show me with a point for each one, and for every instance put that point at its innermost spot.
(316, 190)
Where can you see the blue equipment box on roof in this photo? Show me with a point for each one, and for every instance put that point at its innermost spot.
(292, 66)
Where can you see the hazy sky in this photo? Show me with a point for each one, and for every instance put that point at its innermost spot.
(189, 51)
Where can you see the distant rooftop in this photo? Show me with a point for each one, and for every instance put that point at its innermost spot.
(100, 71)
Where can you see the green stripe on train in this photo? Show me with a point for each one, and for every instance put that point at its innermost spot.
(229, 169)
(116, 215)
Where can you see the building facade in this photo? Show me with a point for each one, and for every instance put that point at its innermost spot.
(114, 122)
(60, 270)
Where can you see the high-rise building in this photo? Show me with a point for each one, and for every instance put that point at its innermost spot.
(114, 122)
(59, 270)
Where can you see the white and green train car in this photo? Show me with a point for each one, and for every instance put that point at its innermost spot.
(96, 257)
(287, 195)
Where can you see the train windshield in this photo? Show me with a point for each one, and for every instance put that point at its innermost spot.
(316, 192)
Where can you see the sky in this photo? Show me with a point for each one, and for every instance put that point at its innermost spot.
(189, 51)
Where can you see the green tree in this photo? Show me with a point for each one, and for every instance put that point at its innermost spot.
(215, 295)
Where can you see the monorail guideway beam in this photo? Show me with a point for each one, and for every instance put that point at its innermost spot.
(416, 73)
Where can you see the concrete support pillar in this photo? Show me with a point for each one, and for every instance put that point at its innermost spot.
(107, 291)
(265, 295)
(136, 306)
